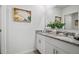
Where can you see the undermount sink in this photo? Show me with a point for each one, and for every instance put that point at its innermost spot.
(60, 33)
(64, 34)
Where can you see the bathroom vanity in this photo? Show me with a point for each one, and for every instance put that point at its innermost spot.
(47, 43)
(67, 43)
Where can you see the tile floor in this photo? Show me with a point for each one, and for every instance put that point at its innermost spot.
(34, 52)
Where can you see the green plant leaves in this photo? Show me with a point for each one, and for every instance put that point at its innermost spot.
(29, 17)
(56, 24)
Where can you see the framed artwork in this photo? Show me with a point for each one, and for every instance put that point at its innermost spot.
(21, 15)
(57, 18)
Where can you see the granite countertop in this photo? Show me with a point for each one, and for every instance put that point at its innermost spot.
(61, 38)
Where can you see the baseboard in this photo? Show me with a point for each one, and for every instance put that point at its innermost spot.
(26, 52)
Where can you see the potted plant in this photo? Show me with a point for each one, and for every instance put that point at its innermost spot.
(51, 25)
(56, 24)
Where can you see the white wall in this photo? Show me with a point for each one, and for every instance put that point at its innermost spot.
(51, 12)
(20, 37)
(74, 17)
(69, 10)
(4, 29)
(68, 22)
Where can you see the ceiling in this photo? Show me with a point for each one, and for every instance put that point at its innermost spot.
(61, 6)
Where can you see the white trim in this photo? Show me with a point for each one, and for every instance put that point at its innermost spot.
(4, 30)
(26, 52)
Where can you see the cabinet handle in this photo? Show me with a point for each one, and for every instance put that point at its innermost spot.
(56, 52)
(39, 41)
(53, 51)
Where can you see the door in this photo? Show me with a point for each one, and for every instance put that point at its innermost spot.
(0, 41)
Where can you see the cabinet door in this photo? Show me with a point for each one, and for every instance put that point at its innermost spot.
(41, 43)
(38, 43)
(67, 47)
(52, 49)
(59, 51)
(45, 47)
(49, 49)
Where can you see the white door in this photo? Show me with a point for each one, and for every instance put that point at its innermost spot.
(0, 41)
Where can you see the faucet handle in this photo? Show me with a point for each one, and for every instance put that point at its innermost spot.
(76, 36)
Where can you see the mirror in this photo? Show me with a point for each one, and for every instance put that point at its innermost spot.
(71, 21)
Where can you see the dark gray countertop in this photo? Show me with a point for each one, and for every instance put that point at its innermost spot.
(61, 38)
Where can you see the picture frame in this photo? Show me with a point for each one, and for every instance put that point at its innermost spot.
(57, 18)
(21, 15)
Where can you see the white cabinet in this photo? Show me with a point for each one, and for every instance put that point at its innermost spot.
(47, 45)
(63, 46)
(40, 43)
(51, 49)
